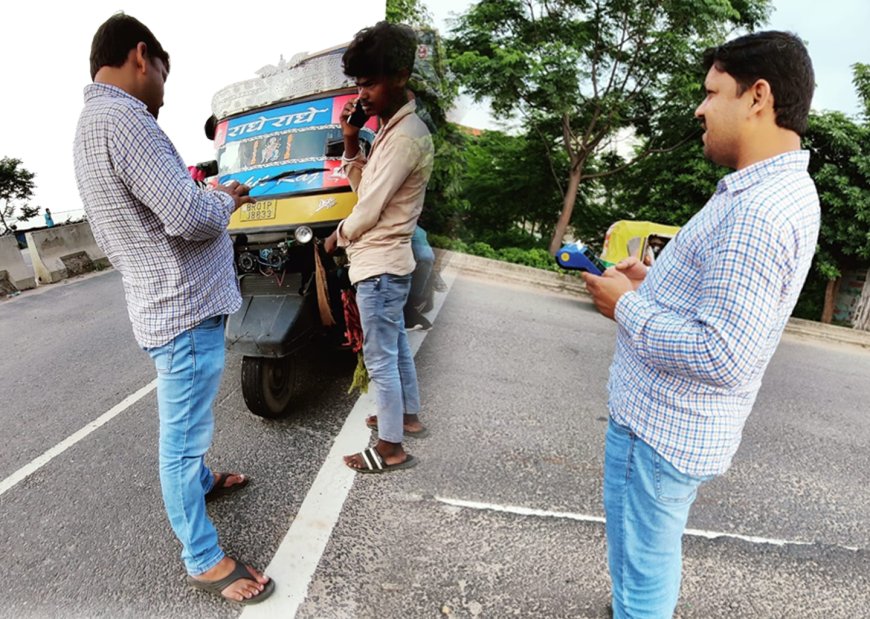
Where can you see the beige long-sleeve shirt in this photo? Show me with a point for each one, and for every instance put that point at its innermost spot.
(391, 186)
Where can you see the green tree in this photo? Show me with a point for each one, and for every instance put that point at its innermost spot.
(411, 12)
(435, 93)
(16, 188)
(512, 188)
(861, 79)
(589, 68)
(840, 166)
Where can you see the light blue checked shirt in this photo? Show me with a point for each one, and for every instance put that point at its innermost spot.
(166, 236)
(695, 338)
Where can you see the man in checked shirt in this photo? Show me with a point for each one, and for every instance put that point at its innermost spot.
(168, 239)
(697, 330)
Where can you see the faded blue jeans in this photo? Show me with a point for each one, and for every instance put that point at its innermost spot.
(189, 372)
(387, 354)
(646, 504)
(425, 259)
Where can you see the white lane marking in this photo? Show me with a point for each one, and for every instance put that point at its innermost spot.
(541, 513)
(299, 553)
(37, 463)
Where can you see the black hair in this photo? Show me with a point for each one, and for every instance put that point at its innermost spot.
(116, 37)
(778, 57)
(385, 50)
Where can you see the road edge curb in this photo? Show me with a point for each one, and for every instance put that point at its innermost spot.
(567, 283)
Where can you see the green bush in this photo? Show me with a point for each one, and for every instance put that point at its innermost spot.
(483, 250)
(445, 242)
(438, 240)
(536, 257)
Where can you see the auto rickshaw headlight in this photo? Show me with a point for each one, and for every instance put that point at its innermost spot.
(303, 234)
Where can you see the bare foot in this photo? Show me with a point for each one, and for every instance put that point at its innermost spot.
(239, 590)
(410, 423)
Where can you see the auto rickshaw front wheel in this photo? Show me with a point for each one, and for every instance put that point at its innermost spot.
(268, 385)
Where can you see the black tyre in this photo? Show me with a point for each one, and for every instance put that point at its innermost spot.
(268, 385)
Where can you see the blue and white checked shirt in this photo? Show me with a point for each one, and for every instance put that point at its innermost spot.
(165, 235)
(695, 338)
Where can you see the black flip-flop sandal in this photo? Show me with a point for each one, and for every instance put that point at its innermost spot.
(240, 571)
(219, 489)
(374, 463)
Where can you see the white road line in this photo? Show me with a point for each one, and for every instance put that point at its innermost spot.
(61, 447)
(296, 559)
(527, 511)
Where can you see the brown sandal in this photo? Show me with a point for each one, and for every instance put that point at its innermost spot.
(219, 488)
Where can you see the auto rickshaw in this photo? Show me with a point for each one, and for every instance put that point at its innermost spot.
(280, 134)
(641, 239)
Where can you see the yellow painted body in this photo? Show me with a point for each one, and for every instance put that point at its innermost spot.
(286, 213)
(631, 238)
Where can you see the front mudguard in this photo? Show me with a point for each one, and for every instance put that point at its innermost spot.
(274, 320)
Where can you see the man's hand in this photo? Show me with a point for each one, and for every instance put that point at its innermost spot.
(607, 289)
(348, 130)
(331, 242)
(634, 270)
(238, 192)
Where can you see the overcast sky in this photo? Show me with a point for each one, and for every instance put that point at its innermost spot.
(45, 47)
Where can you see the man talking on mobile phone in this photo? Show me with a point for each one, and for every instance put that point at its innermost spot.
(391, 185)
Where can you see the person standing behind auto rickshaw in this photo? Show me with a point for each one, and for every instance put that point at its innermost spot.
(168, 239)
(698, 329)
(377, 234)
(420, 297)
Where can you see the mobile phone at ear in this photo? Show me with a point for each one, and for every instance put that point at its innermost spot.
(358, 117)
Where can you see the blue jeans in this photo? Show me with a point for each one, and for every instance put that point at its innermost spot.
(387, 354)
(646, 504)
(425, 258)
(189, 372)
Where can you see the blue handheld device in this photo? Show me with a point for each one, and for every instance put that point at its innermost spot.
(578, 257)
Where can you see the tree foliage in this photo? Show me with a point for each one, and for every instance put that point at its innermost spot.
(840, 166)
(435, 93)
(861, 79)
(16, 188)
(512, 189)
(411, 12)
(589, 68)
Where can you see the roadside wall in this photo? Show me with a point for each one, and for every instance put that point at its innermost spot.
(17, 273)
(64, 251)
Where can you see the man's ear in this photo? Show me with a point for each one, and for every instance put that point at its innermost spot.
(402, 77)
(140, 57)
(762, 95)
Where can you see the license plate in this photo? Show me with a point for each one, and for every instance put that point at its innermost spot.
(259, 211)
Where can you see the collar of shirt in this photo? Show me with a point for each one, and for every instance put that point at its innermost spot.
(95, 90)
(793, 161)
(409, 108)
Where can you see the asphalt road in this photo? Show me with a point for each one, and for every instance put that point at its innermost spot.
(513, 383)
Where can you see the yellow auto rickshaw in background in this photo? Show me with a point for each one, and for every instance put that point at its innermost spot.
(641, 239)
